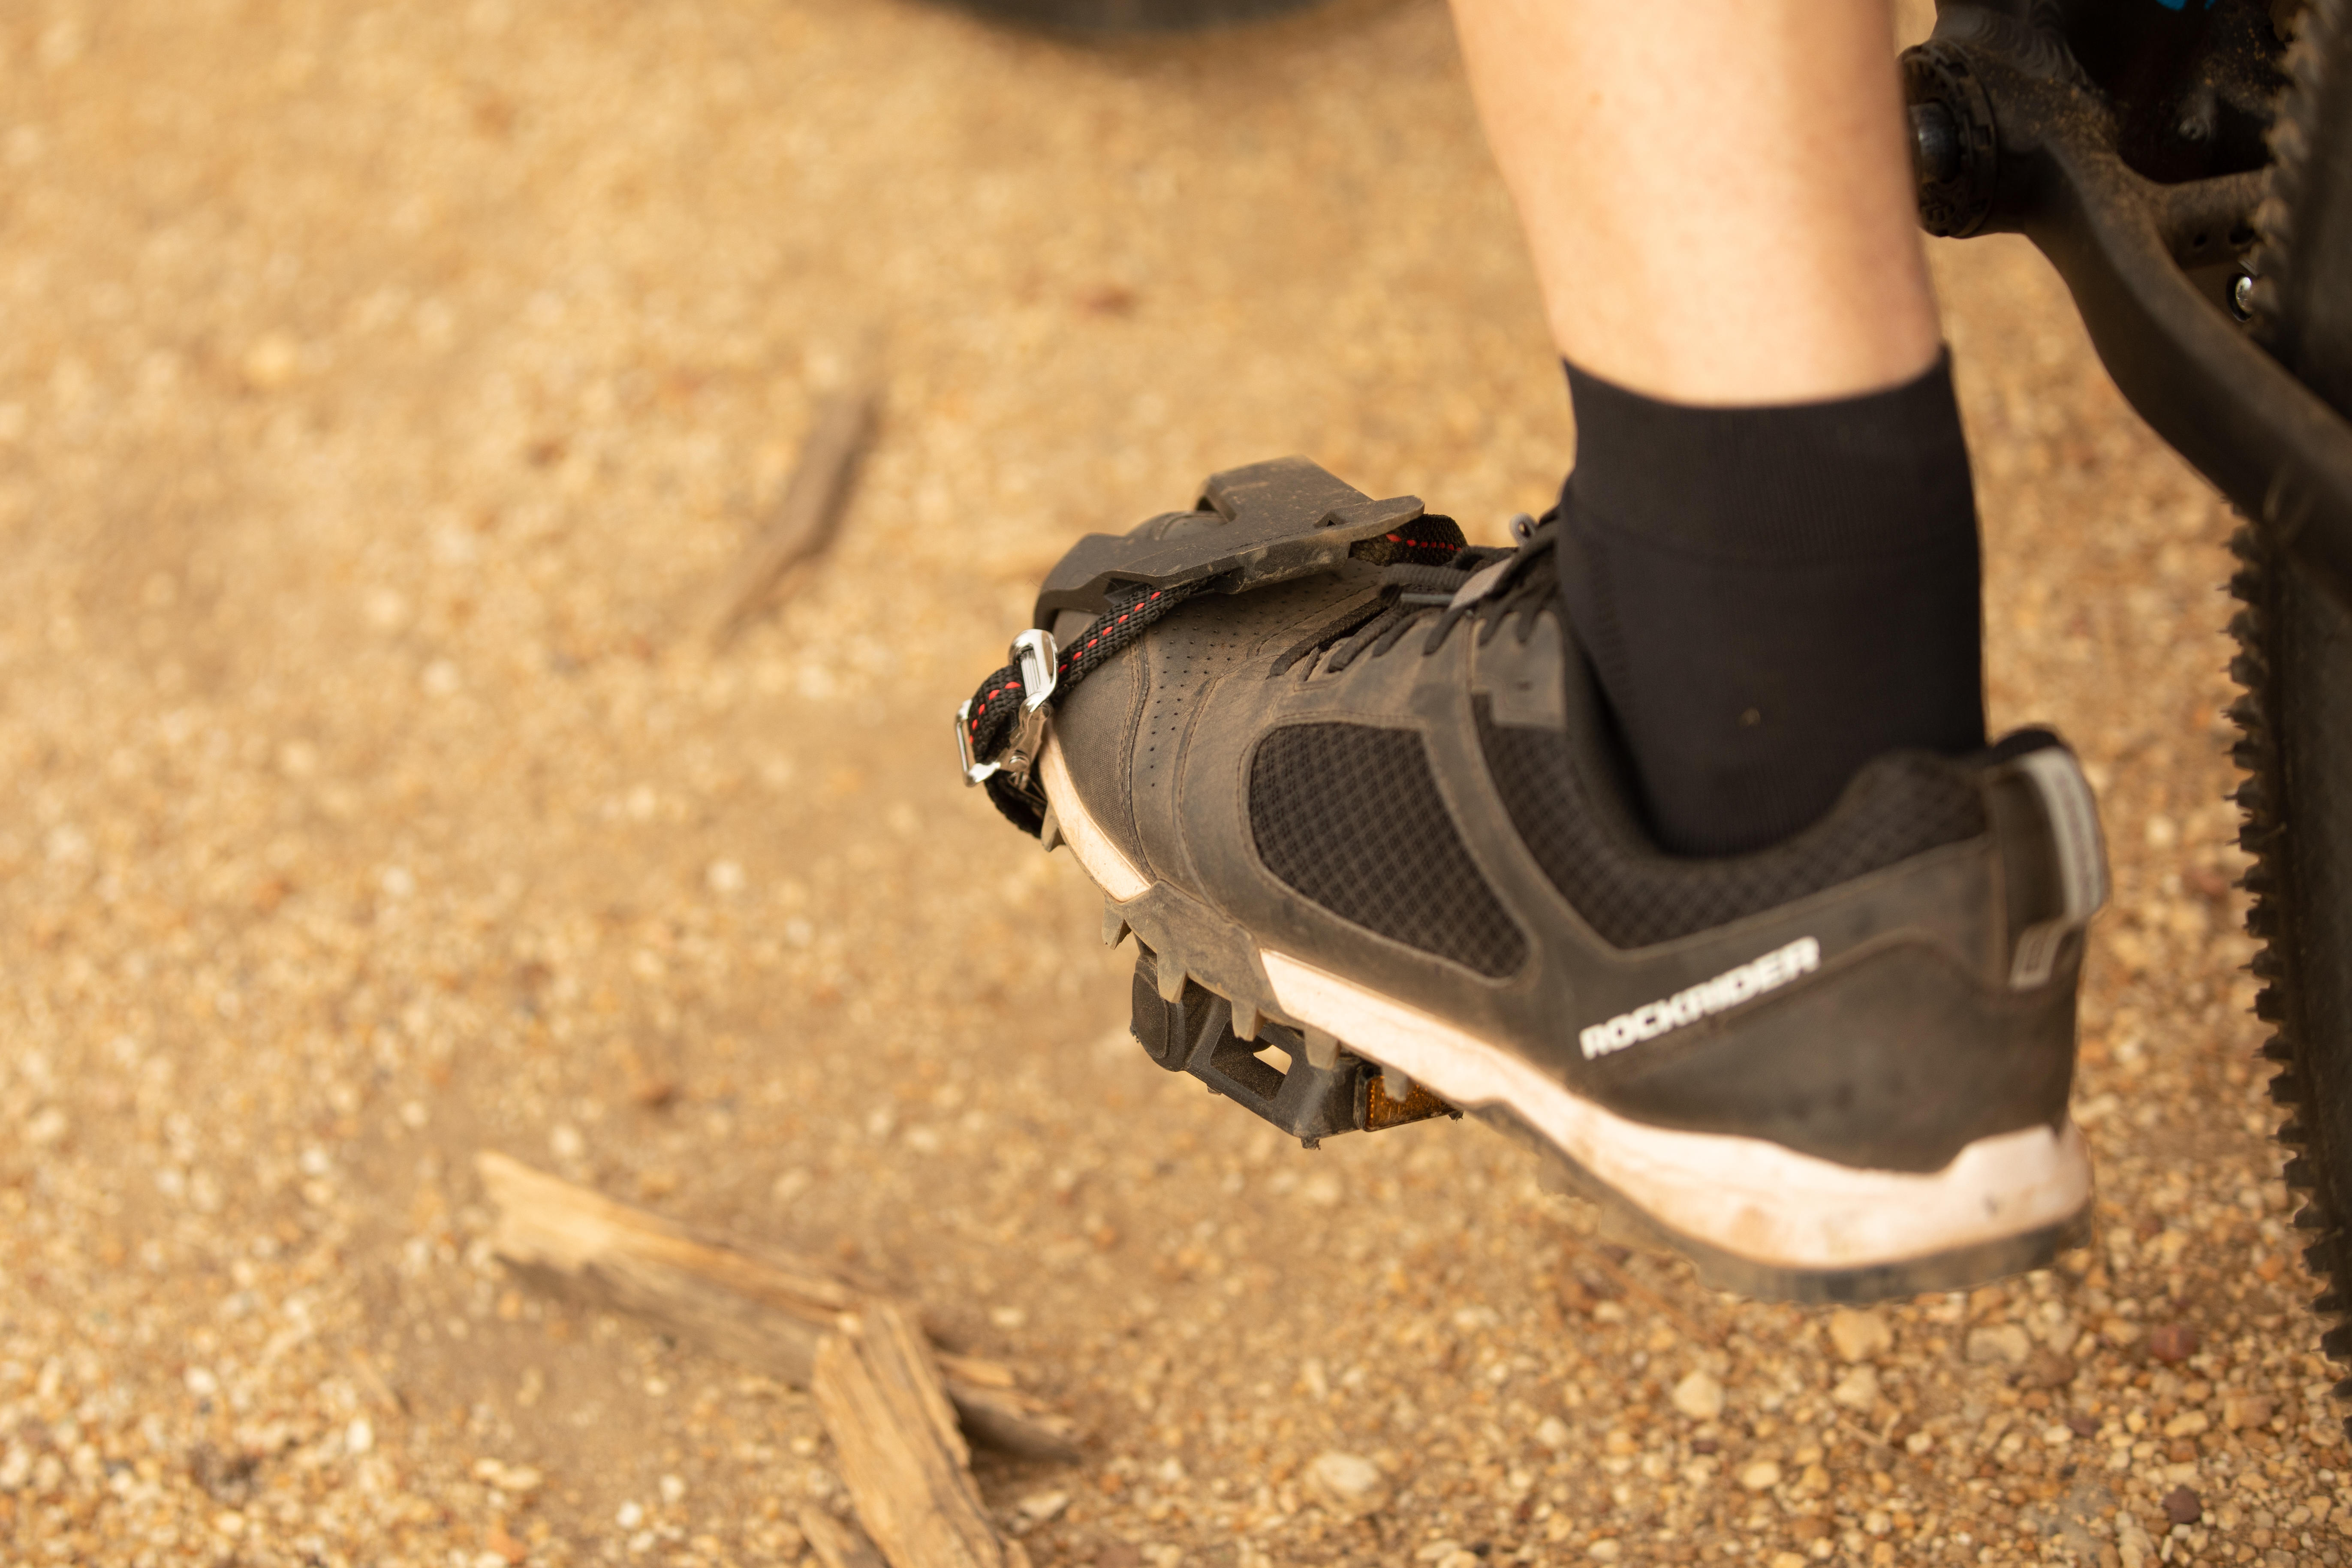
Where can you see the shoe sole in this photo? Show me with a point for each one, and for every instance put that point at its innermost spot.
(1752, 1216)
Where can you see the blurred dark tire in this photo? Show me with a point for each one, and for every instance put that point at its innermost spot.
(2297, 665)
(1104, 18)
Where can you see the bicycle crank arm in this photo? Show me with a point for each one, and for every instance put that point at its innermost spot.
(2010, 138)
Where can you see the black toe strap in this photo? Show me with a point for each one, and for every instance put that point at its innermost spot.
(991, 719)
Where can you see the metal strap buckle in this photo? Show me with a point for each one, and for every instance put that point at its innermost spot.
(1037, 658)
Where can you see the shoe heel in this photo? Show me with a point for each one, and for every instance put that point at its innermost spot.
(1955, 1269)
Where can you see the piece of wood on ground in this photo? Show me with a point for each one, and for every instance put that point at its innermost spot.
(837, 1545)
(804, 519)
(759, 1308)
(895, 1439)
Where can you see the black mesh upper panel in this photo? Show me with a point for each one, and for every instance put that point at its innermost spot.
(1900, 805)
(1350, 817)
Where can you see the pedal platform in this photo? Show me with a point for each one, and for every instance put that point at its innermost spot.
(1267, 522)
(1194, 1033)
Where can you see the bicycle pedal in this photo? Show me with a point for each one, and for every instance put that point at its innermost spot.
(1268, 522)
(1186, 1027)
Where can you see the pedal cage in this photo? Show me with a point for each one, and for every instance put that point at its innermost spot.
(1264, 524)
(1194, 1033)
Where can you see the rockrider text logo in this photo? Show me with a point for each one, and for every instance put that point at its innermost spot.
(1728, 989)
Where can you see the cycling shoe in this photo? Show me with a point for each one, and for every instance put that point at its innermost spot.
(1350, 783)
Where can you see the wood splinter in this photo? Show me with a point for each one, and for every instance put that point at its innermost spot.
(895, 1438)
(803, 520)
(761, 1308)
(836, 1545)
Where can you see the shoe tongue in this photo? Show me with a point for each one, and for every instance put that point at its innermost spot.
(1522, 579)
(1426, 541)
(1482, 583)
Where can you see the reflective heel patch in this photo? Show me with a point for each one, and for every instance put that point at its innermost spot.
(2073, 814)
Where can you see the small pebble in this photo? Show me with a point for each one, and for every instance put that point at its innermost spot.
(1347, 1484)
(2182, 1506)
(1858, 1389)
(2047, 1369)
(272, 362)
(1858, 1335)
(1699, 1396)
(1997, 1344)
(2239, 1411)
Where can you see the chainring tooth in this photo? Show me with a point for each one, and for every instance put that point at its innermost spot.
(2262, 835)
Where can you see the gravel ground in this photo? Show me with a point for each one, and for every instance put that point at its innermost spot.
(381, 390)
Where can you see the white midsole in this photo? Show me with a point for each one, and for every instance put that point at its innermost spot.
(1755, 1199)
(1764, 1201)
(1111, 870)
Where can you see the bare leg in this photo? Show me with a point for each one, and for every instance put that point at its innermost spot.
(1718, 193)
(1767, 548)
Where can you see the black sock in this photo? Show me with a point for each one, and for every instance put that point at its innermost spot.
(1770, 597)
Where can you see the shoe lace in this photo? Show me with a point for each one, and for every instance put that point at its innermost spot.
(1515, 581)
(1424, 565)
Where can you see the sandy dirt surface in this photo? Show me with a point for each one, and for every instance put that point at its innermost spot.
(383, 387)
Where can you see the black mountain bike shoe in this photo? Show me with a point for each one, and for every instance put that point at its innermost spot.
(1349, 784)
